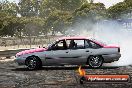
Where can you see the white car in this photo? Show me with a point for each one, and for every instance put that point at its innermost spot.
(70, 51)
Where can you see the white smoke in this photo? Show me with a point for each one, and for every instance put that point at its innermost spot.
(114, 33)
(110, 32)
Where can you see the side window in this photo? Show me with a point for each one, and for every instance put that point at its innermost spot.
(60, 45)
(75, 44)
(79, 44)
(87, 44)
(90, 44)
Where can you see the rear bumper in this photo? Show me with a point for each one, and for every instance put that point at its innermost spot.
(111, 57)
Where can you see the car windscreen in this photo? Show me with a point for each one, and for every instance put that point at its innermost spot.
(99, 41)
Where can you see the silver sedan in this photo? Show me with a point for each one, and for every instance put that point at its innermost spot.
(70, 51)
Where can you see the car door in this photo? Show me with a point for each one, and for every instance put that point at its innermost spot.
(57, 53)
(77, 54)
(94, 48)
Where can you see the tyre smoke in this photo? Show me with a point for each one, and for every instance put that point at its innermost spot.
(115, 33)
(110, 32)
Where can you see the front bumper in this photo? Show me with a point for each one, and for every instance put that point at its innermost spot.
(111, 57)
(20, 61)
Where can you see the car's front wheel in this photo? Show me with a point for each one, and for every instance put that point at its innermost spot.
(95, 61)
(33, 63)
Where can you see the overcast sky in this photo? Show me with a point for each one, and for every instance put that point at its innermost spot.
(107, 3)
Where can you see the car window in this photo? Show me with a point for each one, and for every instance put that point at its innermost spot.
(87, 44)
(94, 45)
(59, 45)
(90, 44)
(75, 44)
(101, 42)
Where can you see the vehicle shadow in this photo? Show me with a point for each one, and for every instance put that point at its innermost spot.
(63, 68)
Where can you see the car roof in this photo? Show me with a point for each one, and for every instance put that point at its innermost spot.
(69, 38)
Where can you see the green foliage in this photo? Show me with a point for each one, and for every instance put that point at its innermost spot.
(90, 11)
(57, 21)
(33, 26)
(39, 17)
(7, 24)
(28, 8)
(9, 8)
(116, 11)
(48, 6)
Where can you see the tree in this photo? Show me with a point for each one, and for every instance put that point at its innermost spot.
(90, 12)
(116, 11)
(29, 8)
(33, 27)
(7, 25)
(128, 1)
(48, 6)
(42, 16)
(58, 21)
(8, 13)
(9, 8)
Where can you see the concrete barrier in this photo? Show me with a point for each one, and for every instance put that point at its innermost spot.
(9, 53)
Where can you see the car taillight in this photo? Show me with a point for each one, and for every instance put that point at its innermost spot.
(118, 49)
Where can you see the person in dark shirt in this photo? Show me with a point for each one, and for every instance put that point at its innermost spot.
(72, 44)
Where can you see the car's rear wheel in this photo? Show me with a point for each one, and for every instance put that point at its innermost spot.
(95, 61)
(33, 63)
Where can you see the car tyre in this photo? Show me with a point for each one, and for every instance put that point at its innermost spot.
(33, 63)
(95, 61)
